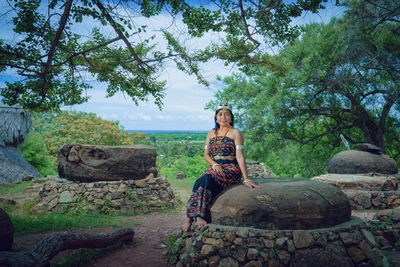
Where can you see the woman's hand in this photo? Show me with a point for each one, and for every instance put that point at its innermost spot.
(249, 183)
(218, 169)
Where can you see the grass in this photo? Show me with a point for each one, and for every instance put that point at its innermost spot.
(7, 190)
(30, 224)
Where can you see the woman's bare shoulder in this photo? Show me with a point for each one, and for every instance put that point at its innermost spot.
(211, 133)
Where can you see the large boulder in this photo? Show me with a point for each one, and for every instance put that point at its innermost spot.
(6, 231)
(353, 161)
(90, 163)
(283, 203)
(13, 166)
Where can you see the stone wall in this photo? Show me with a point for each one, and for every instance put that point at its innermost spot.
(347, 244)
(125, 197)
(366, 191)
(257, 169)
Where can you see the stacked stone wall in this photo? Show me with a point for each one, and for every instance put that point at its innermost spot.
(367, 191)
(125, 196)
(347, 244)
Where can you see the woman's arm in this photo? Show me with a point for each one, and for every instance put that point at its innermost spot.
(238, 138)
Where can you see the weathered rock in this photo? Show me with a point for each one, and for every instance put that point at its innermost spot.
(301, 239)
(257, 169)
(6, 231)
(368, 148)
(228, 262)
(332, 255)
(353, 161)
(359, 182)
(13, 166)
(87, 163)
(284, 203)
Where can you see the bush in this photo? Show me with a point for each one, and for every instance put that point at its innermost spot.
(34, 151)
(55, 129)
(193, 167)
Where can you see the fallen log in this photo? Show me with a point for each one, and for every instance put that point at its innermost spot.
(47, 248)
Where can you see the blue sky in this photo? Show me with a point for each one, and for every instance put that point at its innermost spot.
(185, 99)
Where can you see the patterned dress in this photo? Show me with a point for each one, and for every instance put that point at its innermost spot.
(210, 184)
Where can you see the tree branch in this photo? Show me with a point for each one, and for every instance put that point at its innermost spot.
(122, 36)
(54, 44)
(47, 248)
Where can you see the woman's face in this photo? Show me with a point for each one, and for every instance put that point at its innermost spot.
(224, 117)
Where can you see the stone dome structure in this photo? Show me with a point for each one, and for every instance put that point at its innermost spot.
(282, 203)
(353, 162)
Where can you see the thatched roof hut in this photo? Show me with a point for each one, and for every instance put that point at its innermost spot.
(14, 125)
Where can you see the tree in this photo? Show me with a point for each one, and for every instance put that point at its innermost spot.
(51, 57)
(337, 80)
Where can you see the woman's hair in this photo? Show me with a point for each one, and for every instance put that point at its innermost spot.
(215, 118)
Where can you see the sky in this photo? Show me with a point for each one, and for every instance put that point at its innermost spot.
(185, 99)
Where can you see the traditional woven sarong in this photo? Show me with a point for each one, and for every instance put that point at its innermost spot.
(210, 184)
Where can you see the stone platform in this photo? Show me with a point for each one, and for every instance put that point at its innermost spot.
(346, 244)
(366, 191)
(124, 197)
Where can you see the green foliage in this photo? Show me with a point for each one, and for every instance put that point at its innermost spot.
(193, 167)
(34, 151)
(55, 129)
(50, 55)
(336, 79)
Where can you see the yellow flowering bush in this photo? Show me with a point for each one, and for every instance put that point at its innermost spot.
(69, 127)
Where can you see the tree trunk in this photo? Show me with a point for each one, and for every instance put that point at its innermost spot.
(48, 247)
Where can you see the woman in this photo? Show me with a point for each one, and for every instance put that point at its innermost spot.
(224, 153)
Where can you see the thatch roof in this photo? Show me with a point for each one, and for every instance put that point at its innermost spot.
(15, 123)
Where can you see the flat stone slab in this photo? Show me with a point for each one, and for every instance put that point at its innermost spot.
(360, 182)
(282, 203)
(91, 163)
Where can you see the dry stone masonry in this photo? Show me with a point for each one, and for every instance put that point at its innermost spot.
(124, 197)
(367, 176)
(347, 244)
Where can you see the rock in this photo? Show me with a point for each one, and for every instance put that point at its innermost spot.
(89, 163)
(13, 166)
(356, 254)
(206, 250)
(6, 231)
(65, 197)
(252, 253)
(369, 237)
(359, 198)
(281, 241)
(353, 161)
(141, 183)
(301, 239)
(253, 264)
(396, 215)
(284, 203)
(368, 148)
(228, 262)
(359, 182)
(230, 236)
(240, 254)
(214, 260)
(349, 238)
(274, 263)
(383, 215)
(257, 169)
(268, 243)
(180, 176)
(332, 255)
(284, 256)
